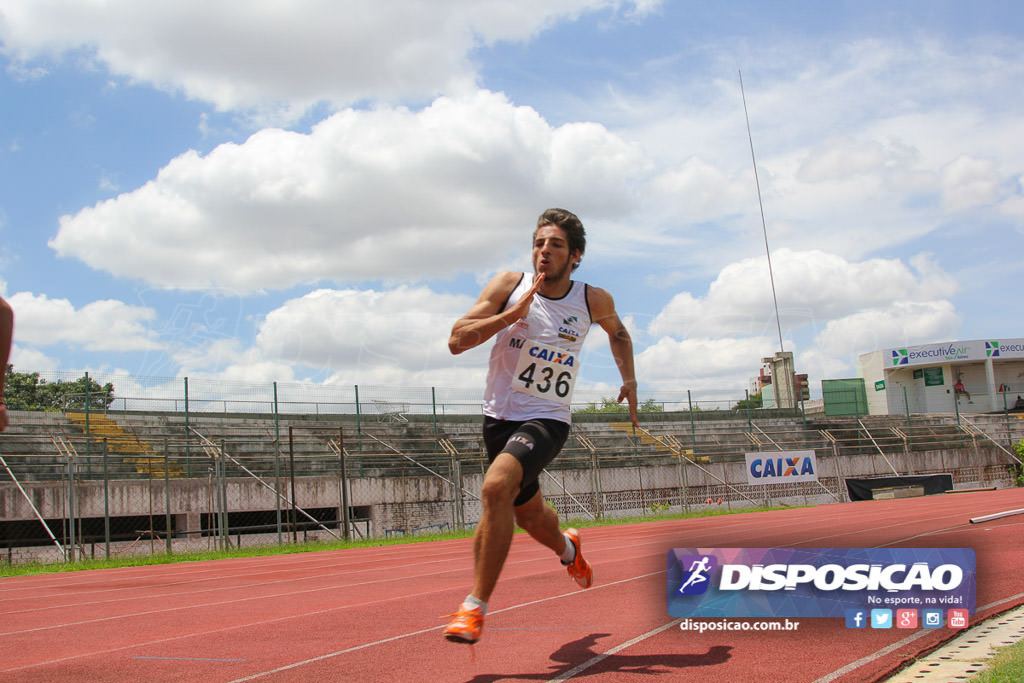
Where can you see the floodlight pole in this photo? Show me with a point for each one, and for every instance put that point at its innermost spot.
(764, 228)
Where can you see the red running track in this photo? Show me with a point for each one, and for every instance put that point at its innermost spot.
(375, 614)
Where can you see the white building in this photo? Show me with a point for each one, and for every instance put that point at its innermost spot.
(923, 379)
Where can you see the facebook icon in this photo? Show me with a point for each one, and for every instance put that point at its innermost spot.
(856, 618)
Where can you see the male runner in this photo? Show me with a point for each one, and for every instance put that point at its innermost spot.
(538, 324)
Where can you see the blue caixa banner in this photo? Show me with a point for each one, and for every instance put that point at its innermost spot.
(817, 582)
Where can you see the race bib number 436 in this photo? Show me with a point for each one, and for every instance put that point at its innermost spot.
(546, 372)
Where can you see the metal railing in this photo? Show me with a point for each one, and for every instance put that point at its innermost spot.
(604, 469)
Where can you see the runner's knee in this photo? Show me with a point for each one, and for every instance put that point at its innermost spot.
(534, 514)
(529, 519)
(498, 491)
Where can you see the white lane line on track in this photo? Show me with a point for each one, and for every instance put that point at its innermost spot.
(150, 596)
(208, 605)
(355, 648)
(259, 597)
(853, 666)
(189, 659)
(189, 579)
(197, 634)
(530, 556)
(648, 538)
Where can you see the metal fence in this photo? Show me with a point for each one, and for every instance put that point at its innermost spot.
(99, 484)
(200, 395)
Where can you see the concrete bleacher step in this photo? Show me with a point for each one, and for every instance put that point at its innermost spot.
(136, 453)
(662, 443)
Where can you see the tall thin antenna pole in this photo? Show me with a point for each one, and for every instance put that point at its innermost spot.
(764, 228)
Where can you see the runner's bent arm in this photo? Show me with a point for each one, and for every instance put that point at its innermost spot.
(485, 319)
(602, 308)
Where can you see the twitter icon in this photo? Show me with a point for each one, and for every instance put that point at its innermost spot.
(881, 618)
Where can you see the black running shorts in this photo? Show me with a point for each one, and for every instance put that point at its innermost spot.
(534, 443)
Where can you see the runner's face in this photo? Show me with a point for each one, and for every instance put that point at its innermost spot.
(551, 254)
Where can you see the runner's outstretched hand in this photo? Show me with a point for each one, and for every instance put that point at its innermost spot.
(628, 392)
(522, 307)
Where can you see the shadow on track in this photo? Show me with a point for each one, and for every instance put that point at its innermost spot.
(577, 652)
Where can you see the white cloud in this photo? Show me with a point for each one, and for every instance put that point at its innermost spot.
(106, 325)
(31, 360)
(900, 324)
(864, 146)
(386, 194)
(701, 191)
(285, 56)
(367, 337)
(844, 158)
(404, 329)
(818, 365)
(834, 308)
(812, 288)
(865, 149)
(208, 355)
(702, 363)
(968, 182)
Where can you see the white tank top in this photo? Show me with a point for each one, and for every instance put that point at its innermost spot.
(535, 361)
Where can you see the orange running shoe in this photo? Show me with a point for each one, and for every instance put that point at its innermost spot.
(579, 569)
(466, 626)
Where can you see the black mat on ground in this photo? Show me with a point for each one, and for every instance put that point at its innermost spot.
(861, 489)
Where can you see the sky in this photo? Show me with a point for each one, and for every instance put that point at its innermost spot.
(313, 191)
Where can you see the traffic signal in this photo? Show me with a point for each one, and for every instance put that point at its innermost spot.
(803, 388)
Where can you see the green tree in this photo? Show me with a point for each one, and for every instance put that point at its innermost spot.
(1016, 469)
(751, 402)
(26, 391)
(610, 405)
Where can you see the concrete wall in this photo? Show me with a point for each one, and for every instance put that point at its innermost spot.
(413, 503)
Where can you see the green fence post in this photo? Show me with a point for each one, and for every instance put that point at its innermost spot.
(88, 401)
(71, 472)
(167, 500)
(277, 467)
(433, 404)
(750, 424)
(292, 516)
(345, 518)
(359, 424)
(1006, 412)
(188, 438)
(693, 426)
(106, 503)
(224, 522)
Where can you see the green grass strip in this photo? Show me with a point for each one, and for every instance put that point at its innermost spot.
(1006, 667)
